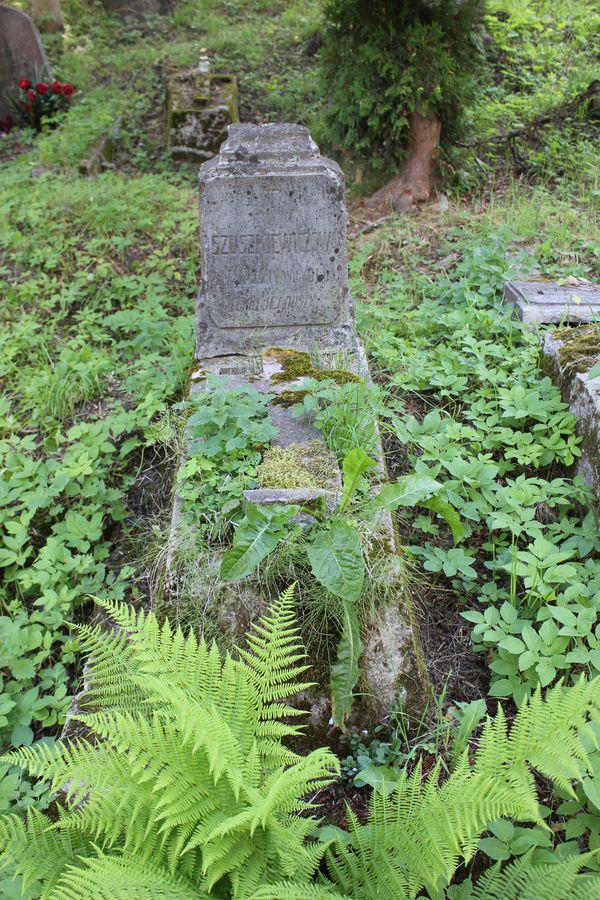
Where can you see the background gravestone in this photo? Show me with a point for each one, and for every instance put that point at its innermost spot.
(137, 9)
(21, 54)
(200, 107)
(273, 242)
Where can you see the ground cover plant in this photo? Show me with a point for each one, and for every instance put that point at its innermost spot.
(502, 547)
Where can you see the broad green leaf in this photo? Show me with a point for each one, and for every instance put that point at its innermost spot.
(407, 491)
(336, 560)
(512, 644)
(502, 829)
(345, 671)
(255, 537)
(356, 464)
(594, 371)
(449, 514)
(545, 672)
(380, 778)
(471, 715)
(494, 848)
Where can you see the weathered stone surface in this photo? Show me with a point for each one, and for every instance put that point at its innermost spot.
(545, 302)
(583, 396)
(273, 241)
(101, 154)
(21, 55)
(200, 107)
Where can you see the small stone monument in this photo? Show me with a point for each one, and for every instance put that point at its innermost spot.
(200, 107)
(273, 243)
(21, 55)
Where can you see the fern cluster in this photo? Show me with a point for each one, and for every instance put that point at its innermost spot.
(185, 788)
(417, 835)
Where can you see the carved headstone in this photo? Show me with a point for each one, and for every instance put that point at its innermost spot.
(200, 107)
(21, 55)
(273, 242)
(47, 16)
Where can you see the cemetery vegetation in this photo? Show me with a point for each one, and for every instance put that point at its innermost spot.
(500, 544)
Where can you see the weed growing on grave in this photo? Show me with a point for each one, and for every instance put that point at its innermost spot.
(228, 429)
(338, 548)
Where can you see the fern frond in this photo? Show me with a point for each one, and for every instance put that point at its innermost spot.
(274, 653)
(186, 784)
(549, 734)
(289, 890)
(416, 837)
(107, 877)
(522, 880)
(38, 851)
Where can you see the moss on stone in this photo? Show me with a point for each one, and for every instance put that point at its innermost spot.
(580, 347)
(289, 398)
(309, 466)
(297, 364)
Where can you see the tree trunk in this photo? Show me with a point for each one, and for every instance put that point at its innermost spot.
(414, 182)
(46, 15)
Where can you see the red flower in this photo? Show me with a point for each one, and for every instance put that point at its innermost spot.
(41, 87)
(27, 108)
(24, 84)
(31, 96)
(68, 89)
(56, 87)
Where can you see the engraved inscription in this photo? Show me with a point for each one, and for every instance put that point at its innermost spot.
(289, 242)
(274, 278)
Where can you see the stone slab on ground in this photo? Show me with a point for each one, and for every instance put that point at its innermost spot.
(21, 55)
(547, 303)
(583, 396)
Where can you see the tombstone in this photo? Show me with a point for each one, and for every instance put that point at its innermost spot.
(47, 16)
(200, 108)
(273, 244)
(21, 55)
(548, 303)
(569, 367)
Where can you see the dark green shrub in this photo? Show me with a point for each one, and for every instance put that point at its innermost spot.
(383, 59)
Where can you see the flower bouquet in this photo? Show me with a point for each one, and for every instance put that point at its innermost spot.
(40, 101)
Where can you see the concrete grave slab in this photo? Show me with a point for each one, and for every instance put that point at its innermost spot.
(21, 55)
(274, 308)
(546, 303)
(582, 393)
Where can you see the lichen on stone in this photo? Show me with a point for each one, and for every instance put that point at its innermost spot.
(309, 466)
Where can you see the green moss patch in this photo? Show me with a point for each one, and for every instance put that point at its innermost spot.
(580, 347)
(297, 364)
(309, 466)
